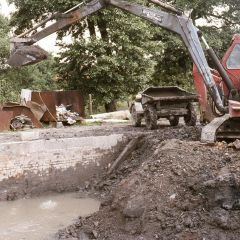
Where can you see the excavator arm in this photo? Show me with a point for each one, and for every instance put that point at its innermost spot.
(23, 53)
(66, 19)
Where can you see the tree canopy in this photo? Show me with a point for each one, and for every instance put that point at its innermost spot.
(12, 80)
(4, 40)
(114, 63)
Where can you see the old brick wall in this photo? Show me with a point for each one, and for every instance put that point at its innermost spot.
(31, 164)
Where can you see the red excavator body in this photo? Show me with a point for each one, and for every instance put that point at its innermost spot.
(231, 63)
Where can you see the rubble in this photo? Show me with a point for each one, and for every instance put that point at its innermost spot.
(21, 122)
(235, 144)
(105, 121)
(170, 187)
(64, 115)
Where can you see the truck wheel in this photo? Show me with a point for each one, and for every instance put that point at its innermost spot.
(174, 121)
(191, 118)
(150, 116)
(136, 118)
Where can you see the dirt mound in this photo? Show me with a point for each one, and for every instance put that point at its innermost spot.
(168, 189)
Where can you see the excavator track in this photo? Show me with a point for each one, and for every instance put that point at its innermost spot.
(221, 128)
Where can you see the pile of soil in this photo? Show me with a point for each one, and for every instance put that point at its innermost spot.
(171, 187)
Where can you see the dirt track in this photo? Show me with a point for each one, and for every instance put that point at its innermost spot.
(171, 187)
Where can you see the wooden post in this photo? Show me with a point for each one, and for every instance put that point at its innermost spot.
(90, 105)
(131, 146)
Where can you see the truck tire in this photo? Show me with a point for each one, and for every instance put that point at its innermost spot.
(191, 118)
(136, 118)
(174, 121)
(150, 116)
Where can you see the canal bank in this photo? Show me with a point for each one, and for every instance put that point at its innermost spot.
(56, 160)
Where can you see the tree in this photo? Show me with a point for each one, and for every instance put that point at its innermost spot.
(227, 11)
(38, 77)
(218, 20)
(114, 65)
(4, 40)
(12, 80)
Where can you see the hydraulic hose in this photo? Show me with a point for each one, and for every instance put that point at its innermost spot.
(218, 66)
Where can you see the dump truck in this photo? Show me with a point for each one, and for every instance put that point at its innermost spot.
(217, 85)
(164, 102)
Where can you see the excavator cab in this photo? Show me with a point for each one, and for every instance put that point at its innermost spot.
(231, 64)
(222, 126)
(27, 55)
(231, 61)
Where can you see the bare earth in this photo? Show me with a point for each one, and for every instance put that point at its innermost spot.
(171, 187)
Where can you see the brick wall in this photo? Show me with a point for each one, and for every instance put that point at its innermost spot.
(36, 165)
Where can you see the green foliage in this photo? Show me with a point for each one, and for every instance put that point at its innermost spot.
(174, 64)
(37, 77)
(111, 69)
(4, 41)
(225, 10)
(36, 10)
(12, 80)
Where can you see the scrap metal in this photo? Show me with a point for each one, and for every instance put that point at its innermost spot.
(21, 122)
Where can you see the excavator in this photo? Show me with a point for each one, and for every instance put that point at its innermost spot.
(218, 89)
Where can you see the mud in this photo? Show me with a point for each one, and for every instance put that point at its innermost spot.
(171, 187)
(39, 218)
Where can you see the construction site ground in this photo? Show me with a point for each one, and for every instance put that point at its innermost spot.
(171, 187)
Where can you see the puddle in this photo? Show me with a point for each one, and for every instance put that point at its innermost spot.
(40, 218)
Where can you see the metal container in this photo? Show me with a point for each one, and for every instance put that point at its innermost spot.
(164, 102)
(73, 99)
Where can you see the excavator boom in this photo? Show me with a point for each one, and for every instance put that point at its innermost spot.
(23, 55)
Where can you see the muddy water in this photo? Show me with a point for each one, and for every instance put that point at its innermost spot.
(39, 218)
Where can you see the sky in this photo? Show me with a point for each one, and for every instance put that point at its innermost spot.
(5, 9)
(47, 43)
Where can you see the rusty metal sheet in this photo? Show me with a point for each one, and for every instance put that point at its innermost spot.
(37, 109)
(5, 120)
(73, 98)
(48, 99)
(51, 99)
(18, 110)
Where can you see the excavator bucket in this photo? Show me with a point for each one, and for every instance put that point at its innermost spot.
(27, 55)
(221, 128)
(226, 127)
